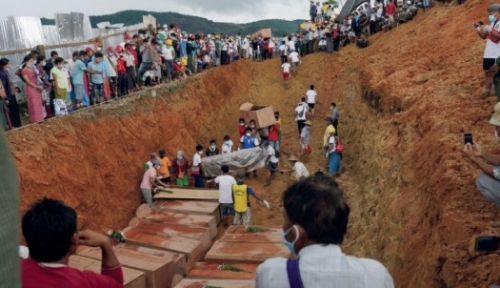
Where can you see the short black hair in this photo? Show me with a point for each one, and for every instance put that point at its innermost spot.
(35, 52)
(40, 58)
(48, 227)
(252, 121)
(333, 104)
(311, 87)
(277, 113)
(226, 137)
(322, 211)
(224, 169)
(199, 147)
(58, 60)
(53, 53)
(162, 152)
(83, 53)
(242, 120)
(212, 141)
(303, 99)
(248, 129)
(75, 54)
(98, 55)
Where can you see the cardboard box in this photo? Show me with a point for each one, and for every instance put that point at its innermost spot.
(263, 115)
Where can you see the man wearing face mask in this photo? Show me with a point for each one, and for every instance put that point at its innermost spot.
(241, 127)
(313, 228)
(197, 168)
(249, 141)
(150, 181)
(212, 150)
(227, 147)
(488, 182)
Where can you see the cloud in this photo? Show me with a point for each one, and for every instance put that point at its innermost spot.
(235, 11)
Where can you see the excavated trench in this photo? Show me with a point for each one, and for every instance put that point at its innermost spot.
(413, 203)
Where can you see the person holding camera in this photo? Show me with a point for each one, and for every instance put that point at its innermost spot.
(488, 182)
(492, 49)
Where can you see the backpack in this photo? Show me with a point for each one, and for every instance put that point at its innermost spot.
(301, 113)
(339, 148)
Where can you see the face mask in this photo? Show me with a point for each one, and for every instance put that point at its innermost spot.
(242, 124)
(44, 63)
(252, 126)
(290, 245)
(249, 134)
(179, 157)
(98, 49)
(492, 18)
(34, 62)
(227, 143)
(200, 152)
(331, 107)
(30, 65)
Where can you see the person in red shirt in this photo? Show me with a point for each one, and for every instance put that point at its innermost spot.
(50, 230)
(273, 137)
(390, 10)
(242, 127)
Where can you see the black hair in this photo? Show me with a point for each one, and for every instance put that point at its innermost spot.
(248, 129)
(322, 211)
(199, 147)
(98, 55)
(48, 227)
(226, 137)
(242, 120)
(162, 152)
(333, 104)
(40, 58)
(303, 99)
(58, 60)
(224, 169)
(4, 62)
(311, 87)
(252, 121)
(35, 52)
(53, 53)
(27, 58)
(276, 112)
(135, 36)
(75, 54)
(83, 53)
(212, 141)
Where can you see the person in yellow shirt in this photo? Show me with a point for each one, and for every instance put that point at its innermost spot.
(165, 167)
(329, 129)
(241, 201)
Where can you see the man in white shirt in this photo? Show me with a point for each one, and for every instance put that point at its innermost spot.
(290, 44)
(272, 163)
(226, 183)
(313, 233)
(227, 146)
(311, 98)
(301, 115)
(286, 72)
(294, 59)
(492, 49)
(283, 51)
(197, 168)
(298, 167)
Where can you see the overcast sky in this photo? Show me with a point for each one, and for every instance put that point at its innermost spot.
(235, 11)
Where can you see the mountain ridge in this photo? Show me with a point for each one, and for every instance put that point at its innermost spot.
(192, 24)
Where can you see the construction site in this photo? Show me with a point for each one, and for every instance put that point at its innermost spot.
(405, 102)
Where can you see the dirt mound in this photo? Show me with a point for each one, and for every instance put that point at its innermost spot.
(404, 102)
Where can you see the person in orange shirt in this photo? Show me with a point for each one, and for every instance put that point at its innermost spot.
(165, 168)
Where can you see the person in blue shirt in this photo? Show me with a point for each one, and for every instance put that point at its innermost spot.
(249, 141)
(97, 79)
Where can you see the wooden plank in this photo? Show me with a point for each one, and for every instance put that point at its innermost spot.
(187, 231)
(143, 212)
(131, 278)
(180, 265)
(192, 249)
(211, 271)
(194, 194)
(193, 207)
(200, 283)
(158, 271)
(245, 252)
(238, 234)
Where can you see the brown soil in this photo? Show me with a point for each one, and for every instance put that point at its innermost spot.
(404, 102)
